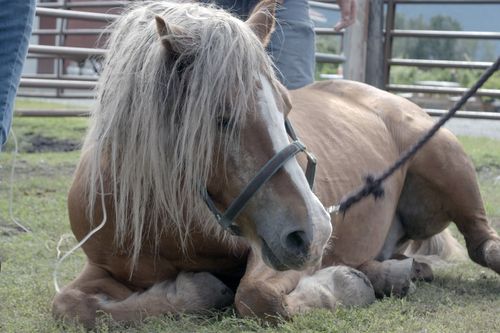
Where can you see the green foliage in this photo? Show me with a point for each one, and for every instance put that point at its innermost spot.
(485, 153)
(424, 48)
(29, 103)
(439, 48)
(464, 77)
(330, 45)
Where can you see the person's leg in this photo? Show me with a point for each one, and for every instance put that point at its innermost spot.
(16, 20)
(241, 8)
(292, 44)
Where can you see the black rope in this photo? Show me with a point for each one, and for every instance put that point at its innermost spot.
(373, 186)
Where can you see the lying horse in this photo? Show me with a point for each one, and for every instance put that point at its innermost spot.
(188, 112)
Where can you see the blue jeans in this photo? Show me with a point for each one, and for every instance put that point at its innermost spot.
(292, 43)
(16, 21)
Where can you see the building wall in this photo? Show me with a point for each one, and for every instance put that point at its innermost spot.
(48, 66)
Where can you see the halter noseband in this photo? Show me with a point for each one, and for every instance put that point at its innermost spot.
(227, 218)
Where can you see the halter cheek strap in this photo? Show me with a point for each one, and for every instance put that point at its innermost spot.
(311, 159)
(227, 218)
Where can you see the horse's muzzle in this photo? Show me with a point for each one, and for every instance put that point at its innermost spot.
(293, 251)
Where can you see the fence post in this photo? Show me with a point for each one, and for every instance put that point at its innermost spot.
(355, 38)
(375, 45)
(389, 26)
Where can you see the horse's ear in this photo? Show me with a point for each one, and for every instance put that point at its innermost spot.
(262, 21)
(166, 31)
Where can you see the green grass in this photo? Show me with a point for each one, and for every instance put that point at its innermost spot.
(463, 298)
(30, 103)
(485, 154)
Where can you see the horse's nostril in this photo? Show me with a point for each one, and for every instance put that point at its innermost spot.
(298, 242)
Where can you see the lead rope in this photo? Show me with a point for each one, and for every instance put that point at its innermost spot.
(373, 185)
(60, 258)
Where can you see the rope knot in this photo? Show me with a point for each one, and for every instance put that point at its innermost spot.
(374, 186)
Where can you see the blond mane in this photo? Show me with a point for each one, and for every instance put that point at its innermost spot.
(154, 131)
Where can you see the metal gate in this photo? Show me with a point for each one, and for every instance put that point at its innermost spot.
(69, 30)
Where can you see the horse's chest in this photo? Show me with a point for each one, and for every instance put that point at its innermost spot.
(202, 253)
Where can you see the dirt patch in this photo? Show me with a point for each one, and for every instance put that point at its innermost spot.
(42, 144)
(488, 167)
(490, 172)
(25, 170)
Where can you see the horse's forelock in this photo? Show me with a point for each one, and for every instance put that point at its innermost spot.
(156, 114)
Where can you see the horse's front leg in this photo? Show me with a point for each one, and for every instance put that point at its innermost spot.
(262, 290)
(267, 294)
(96, 290)
(187, 293)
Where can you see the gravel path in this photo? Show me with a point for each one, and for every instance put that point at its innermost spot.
(475, 127)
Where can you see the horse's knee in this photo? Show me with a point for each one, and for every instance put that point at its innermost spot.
(72, 305)
(260, 300)
(188, 293)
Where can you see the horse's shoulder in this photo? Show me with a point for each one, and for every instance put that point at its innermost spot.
(342, 87)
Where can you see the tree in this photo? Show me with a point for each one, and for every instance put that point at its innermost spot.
(432, 48)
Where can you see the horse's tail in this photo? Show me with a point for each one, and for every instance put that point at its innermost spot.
(437, 250)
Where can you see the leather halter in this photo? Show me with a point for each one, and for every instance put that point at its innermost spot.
(227, 218)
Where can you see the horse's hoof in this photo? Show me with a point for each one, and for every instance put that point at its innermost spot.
(352, 287)
(491, 250)
(399, 276)
(390, 277)
(422, 272)
(74, 306)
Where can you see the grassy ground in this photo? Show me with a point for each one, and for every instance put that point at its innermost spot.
(463, 298)
(49, 104)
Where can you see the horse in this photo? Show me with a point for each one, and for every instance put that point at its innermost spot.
(198, 200)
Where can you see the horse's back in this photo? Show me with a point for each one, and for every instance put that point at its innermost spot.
(394, 111)
(356, 130)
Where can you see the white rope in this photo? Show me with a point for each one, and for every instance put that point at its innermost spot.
(11, 187)
(80, 244)
(62, 239)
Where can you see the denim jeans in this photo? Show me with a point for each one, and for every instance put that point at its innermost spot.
(16, 21)
(292, 44)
